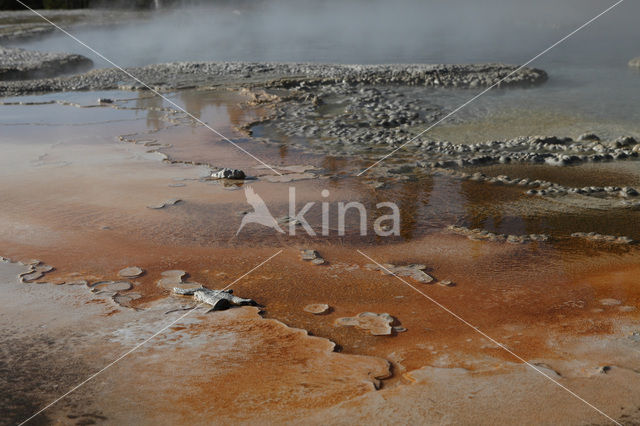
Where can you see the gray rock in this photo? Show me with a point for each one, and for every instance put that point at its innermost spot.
(228, 174)
(20, 64)
(588, 137)
(600, 238)
(628, 192)
(312, 256)
(284, 75)
(414, 271)
(217, 299)
(169, 202)
(480, 234)
(514, 239)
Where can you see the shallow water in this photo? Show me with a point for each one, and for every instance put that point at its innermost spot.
(605, 174)
(427, 204)
(76, 196)
(589, 78)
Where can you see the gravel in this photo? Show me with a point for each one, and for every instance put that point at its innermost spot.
(21, 64)
(179, 75)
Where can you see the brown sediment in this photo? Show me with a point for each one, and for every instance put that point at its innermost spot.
(96, 223)
(234, 364)
(157, 241)
(496, 292)
(246, 368)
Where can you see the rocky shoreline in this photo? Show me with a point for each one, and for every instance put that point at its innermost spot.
(178, 75)
(21, 64)
(368, 122)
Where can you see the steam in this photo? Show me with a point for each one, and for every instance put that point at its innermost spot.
(362, 31)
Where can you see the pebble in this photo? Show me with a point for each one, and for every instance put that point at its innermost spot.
(131, 272)
(414, 271)
(313, 256)
(541, 187)
(309, 254)
(317, 308)
(593, 236)
(217, 299)
(538, 149)
(480, 234)
(228, 174)
(588, 137)
(169, 202)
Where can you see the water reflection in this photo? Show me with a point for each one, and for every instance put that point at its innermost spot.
(427, 204)
(152, 106)
(586, 73)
